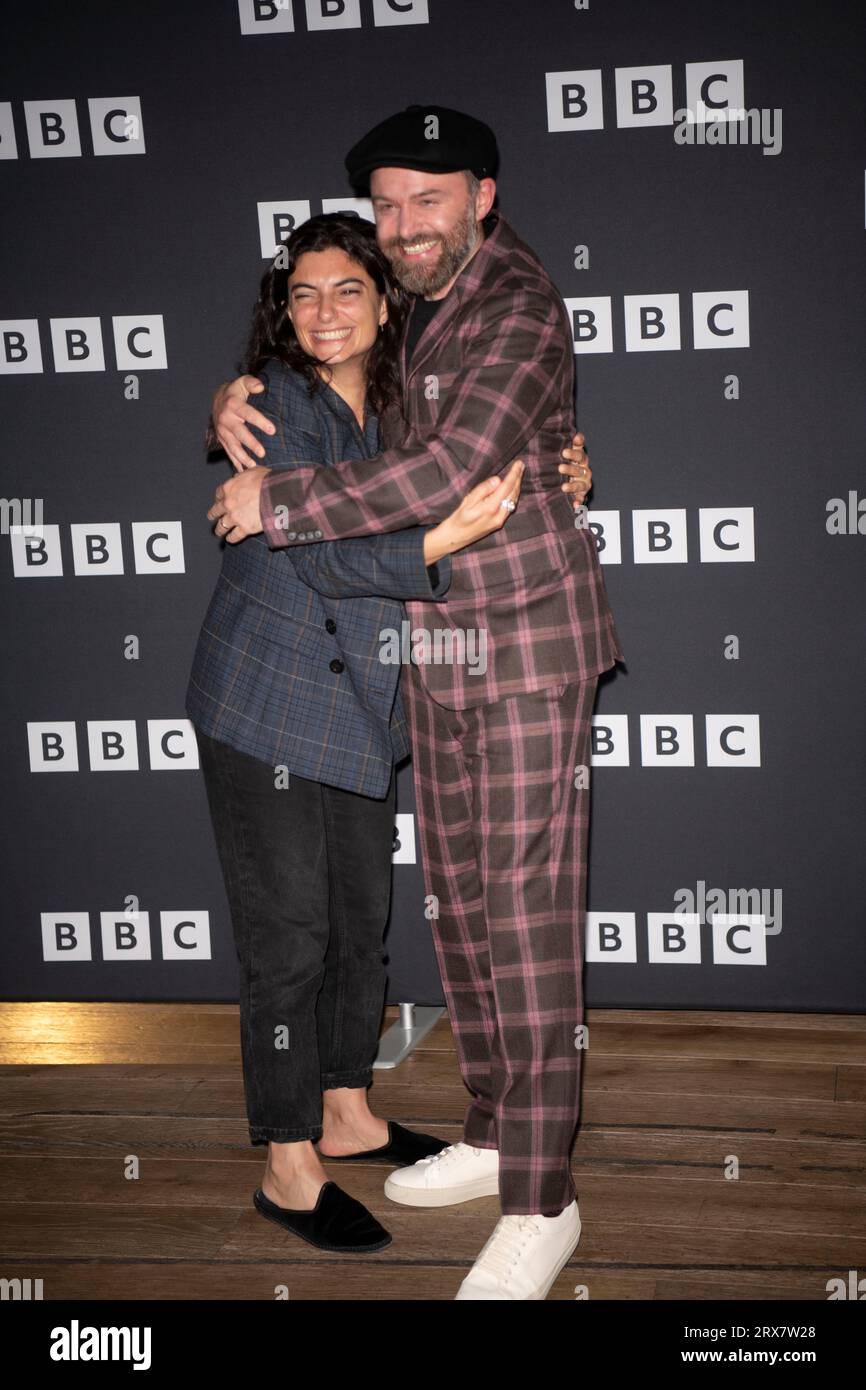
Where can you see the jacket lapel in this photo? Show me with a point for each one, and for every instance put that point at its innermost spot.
(467, 282)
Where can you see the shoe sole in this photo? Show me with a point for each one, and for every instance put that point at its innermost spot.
(443, 1196)
(336, 1249)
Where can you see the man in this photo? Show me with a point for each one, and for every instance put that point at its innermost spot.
(500, 757)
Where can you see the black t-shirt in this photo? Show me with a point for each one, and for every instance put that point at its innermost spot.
(422, 313)
(425, 309)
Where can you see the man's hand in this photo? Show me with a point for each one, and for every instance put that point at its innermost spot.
(578, 470)
(237, 505)
(231, 415)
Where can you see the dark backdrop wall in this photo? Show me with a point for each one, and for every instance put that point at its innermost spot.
(148, 152)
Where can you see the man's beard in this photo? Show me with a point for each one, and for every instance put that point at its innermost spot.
(457, 246)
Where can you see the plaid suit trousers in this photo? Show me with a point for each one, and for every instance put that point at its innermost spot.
(503, 832)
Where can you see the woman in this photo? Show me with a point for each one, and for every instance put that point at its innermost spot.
(300, 725)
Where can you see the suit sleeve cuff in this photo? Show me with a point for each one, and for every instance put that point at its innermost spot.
(274, 533)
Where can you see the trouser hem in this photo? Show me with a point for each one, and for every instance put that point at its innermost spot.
(264, 1135)
(332, 1080)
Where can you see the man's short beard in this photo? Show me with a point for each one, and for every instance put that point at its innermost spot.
(457, 246)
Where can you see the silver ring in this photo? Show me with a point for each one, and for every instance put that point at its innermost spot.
(508, 504)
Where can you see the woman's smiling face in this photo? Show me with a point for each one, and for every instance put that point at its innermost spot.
(334, 306)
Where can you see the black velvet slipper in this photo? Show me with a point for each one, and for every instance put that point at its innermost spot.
(337, 1221)
(404, 1147)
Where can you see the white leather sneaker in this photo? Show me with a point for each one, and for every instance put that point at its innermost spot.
(523, 1257)
(457, 1174)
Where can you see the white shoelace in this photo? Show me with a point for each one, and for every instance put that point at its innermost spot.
(507, 1242)
(444, 1155)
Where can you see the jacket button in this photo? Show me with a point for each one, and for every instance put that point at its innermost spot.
(330, 625)
(291, 535)
(317, 535)
(336, 666)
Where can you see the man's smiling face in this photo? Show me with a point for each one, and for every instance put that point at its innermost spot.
(427, 224)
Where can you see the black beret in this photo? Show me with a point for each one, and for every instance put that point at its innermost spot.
(412, 140)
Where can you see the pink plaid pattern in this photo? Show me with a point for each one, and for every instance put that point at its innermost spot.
(503, 835)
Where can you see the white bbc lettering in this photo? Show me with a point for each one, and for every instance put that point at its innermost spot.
(37, 557)
(125, 935)
(8, 143)
(574, 100)
(115, 125)
(659, 536)
(53, 747)
(266, 16)
(333, 14)
(720, 319)
(277, 221)
(667, 740)
(77, 345)
(185, 935)
(609, 740)
(52, 129)
(404, 838)
(112, 745)
(171, 745)
(733, 740)
(727, 534)
(66, 936)
(591, 323)
(139, 342)
(604, 525)
(388, 12)
(652, 322)
(611, 936)
(739, 939)
(97, 550)
(53, 132)
(644, 95)
(158, 547)
(674, 938)
(715, 91)
(20, 348)
(278, 16)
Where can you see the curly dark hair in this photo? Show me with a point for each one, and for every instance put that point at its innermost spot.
(272, 333)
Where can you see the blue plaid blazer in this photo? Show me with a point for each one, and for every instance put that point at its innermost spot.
(287, 664)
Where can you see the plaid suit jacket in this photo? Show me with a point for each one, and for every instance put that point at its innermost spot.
(491, 379)
(287, 666)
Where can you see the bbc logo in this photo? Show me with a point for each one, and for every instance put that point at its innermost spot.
(77, 346)
(53, 130)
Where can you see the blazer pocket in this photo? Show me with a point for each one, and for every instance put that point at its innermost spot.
(536, 564)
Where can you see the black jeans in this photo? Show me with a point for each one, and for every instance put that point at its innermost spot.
(307, 870)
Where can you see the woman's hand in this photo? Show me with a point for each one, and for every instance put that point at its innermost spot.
(231, 415)
(479, 513)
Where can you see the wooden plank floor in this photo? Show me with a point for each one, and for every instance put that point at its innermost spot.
(667, 1099)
